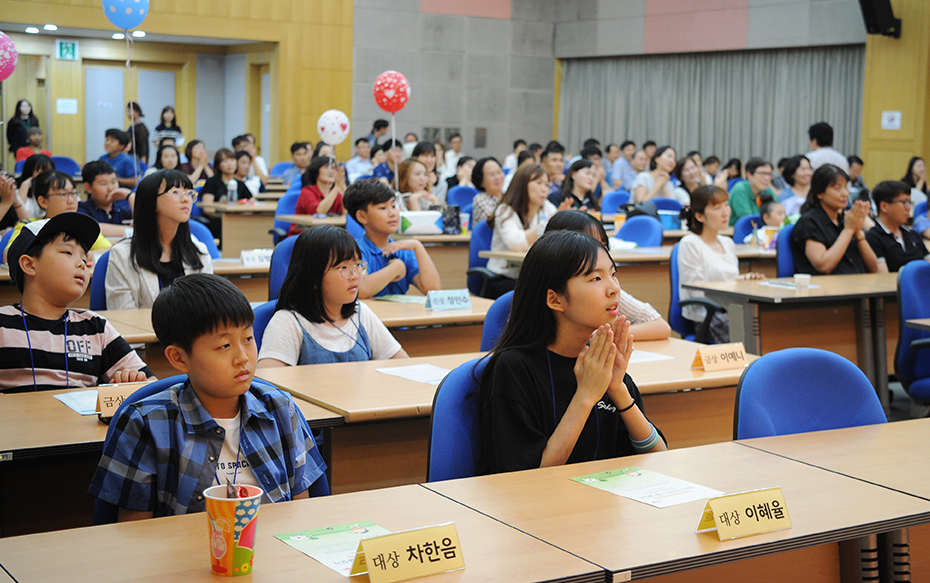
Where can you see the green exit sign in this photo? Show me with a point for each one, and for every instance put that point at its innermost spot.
(66, 50)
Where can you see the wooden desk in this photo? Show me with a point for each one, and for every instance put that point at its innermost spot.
(635, 540)
(385, 441)
(450, 255)
(920, 324)
(768, 318)
(253, 281)
(176, 548)
(245, 226)
(48, 455)
(312, 221)
(272, 195)
(423, 332)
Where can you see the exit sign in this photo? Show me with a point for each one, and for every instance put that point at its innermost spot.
(66, 50)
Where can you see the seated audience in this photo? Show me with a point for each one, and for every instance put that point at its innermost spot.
(797, 175)
(916, 178)
(166, 158)
(577, 189)
(126, 171)
(197, 166)
(32, 167)
(488, 178)
(622, 174)
(747, 196)
(361, 164)
(107, 202)
(223, 187)
(657, 182)
(322, 191)
(689, 175)
(34, 135)
(893, 243)
(413, 184)
(395, 155)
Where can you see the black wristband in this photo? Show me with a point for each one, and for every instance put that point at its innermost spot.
(633, 404)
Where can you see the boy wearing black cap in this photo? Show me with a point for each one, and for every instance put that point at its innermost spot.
(43, 344)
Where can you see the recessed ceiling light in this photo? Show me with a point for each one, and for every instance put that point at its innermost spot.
(138, 33)
(118, 36)
(50, 27)
(32, 30)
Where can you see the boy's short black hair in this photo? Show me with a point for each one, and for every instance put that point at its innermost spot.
(454, 135)
(887, 190)
(711, 160)
(648, 143)
(298, 146)
(92, 170)
(363, 193)
(822, 133)
(118, 135)
(195, 305)
(556, 147)
(380, 124)
(591, 142)
(238, 140)
(766, 208)
(524, 156)
(589, 152)
(855, 160)
(627, 143)
(517, 143)
(534, 147)
(360, 140)
(388, 145)
(755, 163)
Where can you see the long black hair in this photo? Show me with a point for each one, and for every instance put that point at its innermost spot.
(701, 197)
(312, 173)
(517, 197)
(791, 167)
(145, 248)
(569, 184)
(820, 182)
(579, 222)
(909, 175)
(316, 250)
(39, 162)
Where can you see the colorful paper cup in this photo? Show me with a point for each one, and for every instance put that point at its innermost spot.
(232, 523)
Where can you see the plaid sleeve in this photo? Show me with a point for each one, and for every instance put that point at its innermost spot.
(308, 463)
(127, 470)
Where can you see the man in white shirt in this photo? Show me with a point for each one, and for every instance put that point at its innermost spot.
(510, 162)
(453, 154)
(361, 164)
(822, 152)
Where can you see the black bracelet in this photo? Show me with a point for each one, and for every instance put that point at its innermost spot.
(633, 404)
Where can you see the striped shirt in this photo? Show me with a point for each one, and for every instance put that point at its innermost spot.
(162, 451)
(86, 352)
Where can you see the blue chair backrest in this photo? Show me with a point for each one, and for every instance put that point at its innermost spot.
(613, 200)
(743, 227)
(66, 165)
(797, 390)
(644, 230)
(18, 168)
(460, 196)
(98, 283)
(920, 209)
(4, 241)
(365, 177)
(280, 260)
(666, 204)
(202, 233)
(783, 253)
(263, 314)
(496, 321)
(354, 228)
(683, 326)
(287, 205)
(733, 182)
(455, 437)
(280, 168)
(913, 366)
(196, 211)
(480, 241)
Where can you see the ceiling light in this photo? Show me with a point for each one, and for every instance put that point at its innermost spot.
(118, 36)
(32, 30)
(138, 33)
(50, 27)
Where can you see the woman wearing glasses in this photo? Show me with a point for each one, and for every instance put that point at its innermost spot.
(318, 318)
(55, 194)
(161, 248)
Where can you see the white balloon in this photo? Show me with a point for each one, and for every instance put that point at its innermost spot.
(333, 127)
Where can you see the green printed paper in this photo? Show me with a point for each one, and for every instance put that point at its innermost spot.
(402, 299)
(333, 546)
(648, 487)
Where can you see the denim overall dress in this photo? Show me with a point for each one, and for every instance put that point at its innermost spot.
(313, 353)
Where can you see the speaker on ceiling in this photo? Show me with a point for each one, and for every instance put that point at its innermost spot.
(879, 18)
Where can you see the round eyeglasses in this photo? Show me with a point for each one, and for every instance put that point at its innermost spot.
(180, 193)
(347, 271)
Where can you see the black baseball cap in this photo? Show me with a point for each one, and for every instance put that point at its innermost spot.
(80, 226)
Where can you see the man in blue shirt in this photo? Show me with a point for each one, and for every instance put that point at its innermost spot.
(379, 128)
(360, 165)
(126, 172)
(395, 155)
(107, 202)
(623, 175)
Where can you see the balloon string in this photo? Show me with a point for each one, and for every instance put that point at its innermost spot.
(132, 130)
(391, 150)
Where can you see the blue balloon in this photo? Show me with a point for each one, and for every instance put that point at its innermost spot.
(126, 14)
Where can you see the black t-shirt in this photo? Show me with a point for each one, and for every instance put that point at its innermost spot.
(171, 273)
(215, 186)
(517, 414)
(816, 225)
(885, 245)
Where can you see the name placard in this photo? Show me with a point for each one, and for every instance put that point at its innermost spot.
(448, 299)
(255, 257)
(408, 554)
(110, 397)
(745, 514)
(720, 357)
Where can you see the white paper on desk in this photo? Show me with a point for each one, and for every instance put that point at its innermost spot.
(402, 299)
(334, 546)
(422, 373)
(784, 284)
(648, 487)
(621, 245)
(83, 402)
(643, 356)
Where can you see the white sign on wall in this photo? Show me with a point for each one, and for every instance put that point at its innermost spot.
(891, 120)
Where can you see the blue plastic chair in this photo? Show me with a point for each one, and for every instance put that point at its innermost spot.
(106, 513)
(920, 210)
(825, 391)
(455, 428)
(280, 168)
(196, 211)
(202, 233)
(18, 168)
(683, 326)
(743, 227)
(98, 283)
(263, 314)
(613, 200)
(280, 260)
(495, 321)
(354, 228)
(365, 177)
(287, 205)
(911, 359)
(783, 253)
(478, 272)
(4, 241)
(644, 230)
(666, 204)
(67, 165)
(460, 196)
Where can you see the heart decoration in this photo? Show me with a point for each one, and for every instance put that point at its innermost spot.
(333, 127)
(391, 91)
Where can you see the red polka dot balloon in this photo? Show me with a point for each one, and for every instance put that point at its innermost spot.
(391, 91)
(9, 56)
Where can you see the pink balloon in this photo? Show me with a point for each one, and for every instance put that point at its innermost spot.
(8, 56)
(391, 91)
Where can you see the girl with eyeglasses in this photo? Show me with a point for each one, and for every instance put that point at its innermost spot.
(318, 318)
(161, 248)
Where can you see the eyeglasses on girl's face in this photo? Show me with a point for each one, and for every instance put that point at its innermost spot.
(347, 271)
(180, 193)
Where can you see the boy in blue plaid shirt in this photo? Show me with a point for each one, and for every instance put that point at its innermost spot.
(166, 449)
